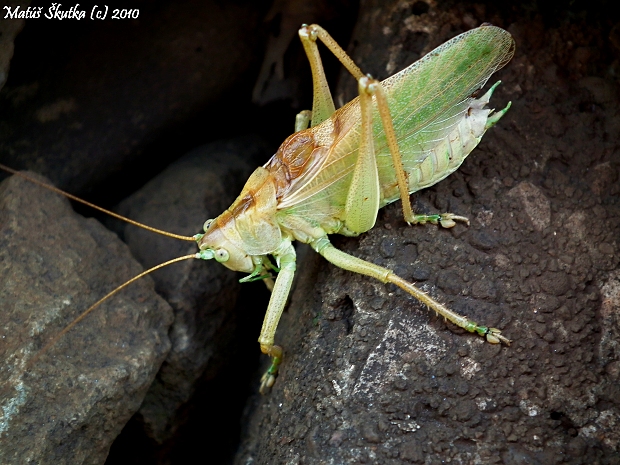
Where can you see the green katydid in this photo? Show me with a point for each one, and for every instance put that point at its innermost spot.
(400, 135)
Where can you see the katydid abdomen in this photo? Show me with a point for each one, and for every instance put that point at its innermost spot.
(437, 123)
(425, 164)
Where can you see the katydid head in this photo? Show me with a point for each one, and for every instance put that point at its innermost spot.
(247, 230)
(214, 244)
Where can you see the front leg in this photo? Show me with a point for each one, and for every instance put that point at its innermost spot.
(286, 260)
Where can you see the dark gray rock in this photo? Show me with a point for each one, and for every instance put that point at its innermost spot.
(67, 405)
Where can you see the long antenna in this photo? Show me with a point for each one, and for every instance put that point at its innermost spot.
(84, 314)
(92, 205)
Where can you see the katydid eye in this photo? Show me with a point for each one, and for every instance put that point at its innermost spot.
(222, 255)
(207, 224)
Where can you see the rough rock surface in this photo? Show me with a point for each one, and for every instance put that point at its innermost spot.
(67, 406)
(370, 376)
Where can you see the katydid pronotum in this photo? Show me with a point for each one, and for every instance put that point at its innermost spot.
(400, 135)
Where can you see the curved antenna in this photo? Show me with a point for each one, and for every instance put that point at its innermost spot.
(92, 205)
(84, 314)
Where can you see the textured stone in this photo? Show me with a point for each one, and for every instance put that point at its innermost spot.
(66, 405)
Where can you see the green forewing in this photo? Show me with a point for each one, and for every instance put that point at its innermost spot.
(427, 100)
